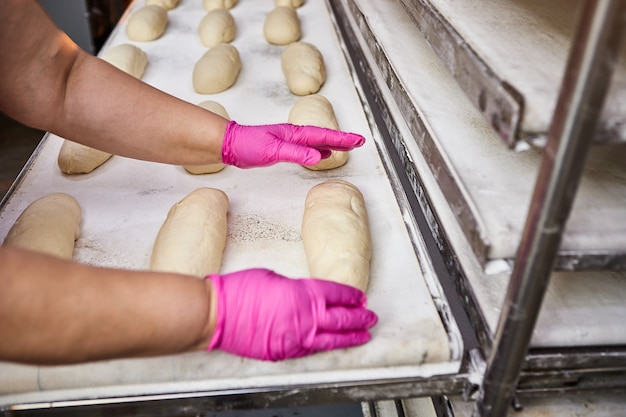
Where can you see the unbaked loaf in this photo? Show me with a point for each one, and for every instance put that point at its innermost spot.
(282, 26)
(335, 234)
(218, 4)
(217, 69)
(129, 58)
(166, 4)
(75, 158)
(303, 66)
(216, 108)
(217, 26)
(48, 225)
(289, 3)
(316, 110)
(147, 23)
(192, 238)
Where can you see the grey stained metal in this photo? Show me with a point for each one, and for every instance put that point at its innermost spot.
(590, 66)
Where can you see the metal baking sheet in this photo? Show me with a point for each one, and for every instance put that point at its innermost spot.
(125, 201)
(509, 57)
(581, 309)
(488, 186)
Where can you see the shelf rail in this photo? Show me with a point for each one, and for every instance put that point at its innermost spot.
(591, 63)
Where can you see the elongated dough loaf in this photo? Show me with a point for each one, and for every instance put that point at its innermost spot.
(217, 69)
(289, 3)
(316, 110)
(282, 26)
(304, 69)
(129, 58)
(335, 234)
(216, 108)
(217, 26)
(48, 225)
(166, 4)
(218, 4)
(192, 238)
(147, 24)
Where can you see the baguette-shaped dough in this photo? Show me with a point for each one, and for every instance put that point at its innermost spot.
(290, 3)
(218, 4)
(166, 4)
(129, 58)
(48, 225)
(282, 26)
(316, 110)
(216, 108)
(335, 234)
(217, 26)
(147, 24)
(192, 238)
(217, 69)
(304, 69)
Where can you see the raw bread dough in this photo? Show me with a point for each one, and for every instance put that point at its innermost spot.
(192, 238)
(75, 158)
(48, 225)
(282, 26)
(129, 58)
(217, 69)
(218, 26)
(147, 23)
(290, 3)
(316, 110)
(218, 4)
(304, 69)
(335, 234)
(166, 4)
(216, 108)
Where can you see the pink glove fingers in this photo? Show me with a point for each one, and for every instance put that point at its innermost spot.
(341, 319)
(253, 146)
(329, 341)
(323, 138)
(348, 296)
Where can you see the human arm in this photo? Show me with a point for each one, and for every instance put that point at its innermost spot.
(54, 311)
(50, 83)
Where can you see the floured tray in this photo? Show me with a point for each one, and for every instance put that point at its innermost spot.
(509, 57)
(488, 187)
(125, 201)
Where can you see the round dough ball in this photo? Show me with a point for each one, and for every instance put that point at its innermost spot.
(290, 3)
(218, 26)
(217, 69)
(147, 23)
(304, 69)
(282, 26)
(129, 58)
(75, 158)
(48, 225)
(166, 4)
(335, 234)
(216, 108)
(218, 4)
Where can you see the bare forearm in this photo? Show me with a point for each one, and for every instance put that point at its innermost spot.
(56, 311)
(50, 83)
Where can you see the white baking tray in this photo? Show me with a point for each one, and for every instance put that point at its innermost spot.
(125, 201)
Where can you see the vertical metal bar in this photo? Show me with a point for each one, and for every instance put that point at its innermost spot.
(592, 60)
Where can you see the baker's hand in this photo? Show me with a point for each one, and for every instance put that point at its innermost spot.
(263, 315)
(255, 146)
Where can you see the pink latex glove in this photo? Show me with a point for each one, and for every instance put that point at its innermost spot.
(263, 315)
(255, 146)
